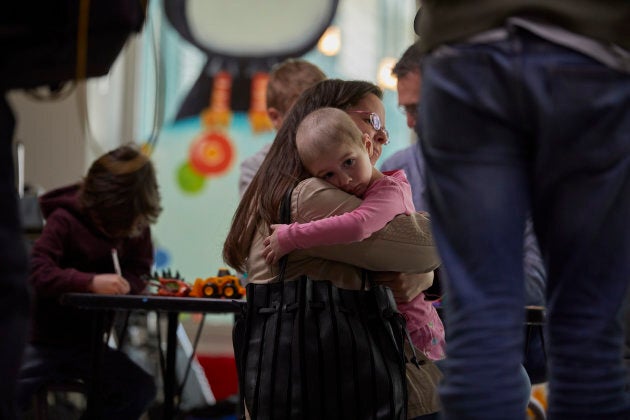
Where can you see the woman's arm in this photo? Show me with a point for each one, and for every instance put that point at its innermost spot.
(404, 245)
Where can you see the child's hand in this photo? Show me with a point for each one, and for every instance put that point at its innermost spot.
(272, 252)
(109, 284)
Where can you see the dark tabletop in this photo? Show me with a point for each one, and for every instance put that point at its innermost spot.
(152, 303)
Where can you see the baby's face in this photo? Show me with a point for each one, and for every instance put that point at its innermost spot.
(346, 166)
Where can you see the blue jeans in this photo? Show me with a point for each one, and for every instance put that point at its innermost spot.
(517, 125)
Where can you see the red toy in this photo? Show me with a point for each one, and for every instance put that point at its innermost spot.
(169, 285)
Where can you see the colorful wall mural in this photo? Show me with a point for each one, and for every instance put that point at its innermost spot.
(197, 169)
(209, 131)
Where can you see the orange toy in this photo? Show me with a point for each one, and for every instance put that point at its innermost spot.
(223, 285)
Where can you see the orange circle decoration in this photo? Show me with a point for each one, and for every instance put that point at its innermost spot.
(211, 153)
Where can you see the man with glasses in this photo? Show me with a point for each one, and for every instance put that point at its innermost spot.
(407, 71)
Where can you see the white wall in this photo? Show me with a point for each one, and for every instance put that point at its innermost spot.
(58, 148)
(51, 134)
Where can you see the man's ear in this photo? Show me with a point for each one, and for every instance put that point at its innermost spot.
(275, 116)
(367, 142)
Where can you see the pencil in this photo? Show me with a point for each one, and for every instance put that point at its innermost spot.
(116, 262)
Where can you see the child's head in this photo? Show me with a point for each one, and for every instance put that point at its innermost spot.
(332, 148)
(120, 192)
(287, 81)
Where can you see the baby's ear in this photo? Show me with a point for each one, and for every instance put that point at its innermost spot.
(368, 143)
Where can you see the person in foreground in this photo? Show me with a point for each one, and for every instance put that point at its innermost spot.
(111, 209)
(15, 300)
(404, 245)
(539, 93)
(333, 148)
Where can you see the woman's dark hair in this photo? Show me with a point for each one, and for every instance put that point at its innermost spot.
(120, 192)
(282, 169)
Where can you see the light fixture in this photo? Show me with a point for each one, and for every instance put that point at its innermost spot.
(384, 76)
(330, 42)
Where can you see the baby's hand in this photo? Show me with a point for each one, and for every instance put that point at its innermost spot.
(272, 252)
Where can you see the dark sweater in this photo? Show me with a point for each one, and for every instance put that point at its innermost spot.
(448, 21)
(70, 251)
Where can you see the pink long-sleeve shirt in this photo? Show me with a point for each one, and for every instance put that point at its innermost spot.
(383, 200)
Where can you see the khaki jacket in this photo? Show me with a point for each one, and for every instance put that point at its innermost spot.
(404, 245)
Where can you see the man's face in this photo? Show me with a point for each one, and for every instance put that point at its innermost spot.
(408, 88)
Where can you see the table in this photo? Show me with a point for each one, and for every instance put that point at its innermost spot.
(172, 306)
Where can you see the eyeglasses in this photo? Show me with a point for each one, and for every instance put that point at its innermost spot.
(411, 109)
(375, 122)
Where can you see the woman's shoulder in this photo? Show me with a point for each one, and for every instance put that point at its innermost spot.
(312, 185)
(314, 199)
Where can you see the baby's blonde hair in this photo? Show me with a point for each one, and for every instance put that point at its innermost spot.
(323, 128)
